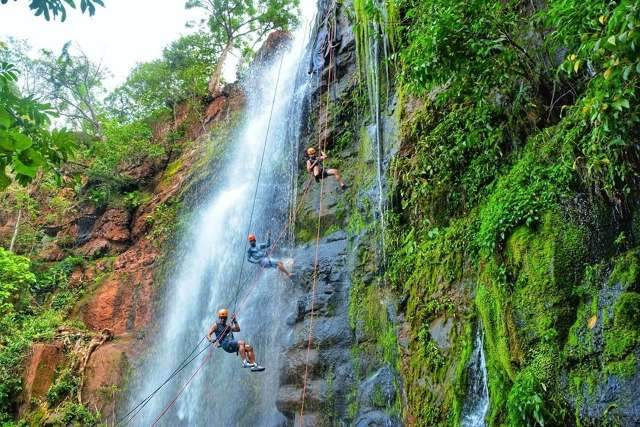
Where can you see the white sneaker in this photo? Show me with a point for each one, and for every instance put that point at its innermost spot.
(246, 364)
(257, 368)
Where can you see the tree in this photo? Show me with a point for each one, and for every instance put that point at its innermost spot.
(181, 74)
(239, 23)
(55, 8)
(73, 85)
(26, 144)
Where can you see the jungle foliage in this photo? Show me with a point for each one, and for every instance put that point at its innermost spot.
(519, 144)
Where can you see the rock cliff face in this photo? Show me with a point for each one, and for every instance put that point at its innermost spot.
(121, 253)
(333, 342)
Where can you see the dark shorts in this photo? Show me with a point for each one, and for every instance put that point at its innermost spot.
(267, 262)
(323, 174)
(230, 346)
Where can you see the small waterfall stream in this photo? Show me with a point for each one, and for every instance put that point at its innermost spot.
(476, 404)
(211, 251)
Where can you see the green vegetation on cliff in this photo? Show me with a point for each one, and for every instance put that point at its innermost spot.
(514, 183)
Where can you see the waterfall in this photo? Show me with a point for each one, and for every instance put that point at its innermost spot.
(211, 252)
(476, 404)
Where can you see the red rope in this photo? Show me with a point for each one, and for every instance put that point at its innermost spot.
(322, 143)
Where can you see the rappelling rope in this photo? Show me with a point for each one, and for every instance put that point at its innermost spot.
(322, 145)
(239, 287)
(255, 193)
(187, 361)
(134, 411)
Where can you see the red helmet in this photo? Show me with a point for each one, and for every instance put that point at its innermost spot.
(252, 237)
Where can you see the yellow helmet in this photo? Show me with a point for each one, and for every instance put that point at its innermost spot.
(311, 151)
(223, 313)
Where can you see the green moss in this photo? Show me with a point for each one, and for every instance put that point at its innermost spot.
(171, 170)
(624, 368)
(626, 271)
(460, 383)
(627, 310)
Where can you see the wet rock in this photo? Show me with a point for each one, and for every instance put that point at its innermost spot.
(141, 172)
(378, 391)
(271, 46)
(95, 248)
(214, 108)
(377, 419)
(40, 372)
(290, 397)
(440, 330)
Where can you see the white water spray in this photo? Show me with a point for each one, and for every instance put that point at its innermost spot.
(476, 404)
(210, 258)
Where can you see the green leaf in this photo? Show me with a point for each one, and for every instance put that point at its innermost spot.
(612, 40)
(6, 142)
(21, 142)
(22, 169)
(5, 119)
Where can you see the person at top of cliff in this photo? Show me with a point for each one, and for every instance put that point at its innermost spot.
(315, 166)
(257, 254)
(224, 338)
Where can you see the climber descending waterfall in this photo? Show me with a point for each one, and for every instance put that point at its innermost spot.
(207, 271)
(224, 339)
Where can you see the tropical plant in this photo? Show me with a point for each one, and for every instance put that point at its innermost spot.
(26, 143)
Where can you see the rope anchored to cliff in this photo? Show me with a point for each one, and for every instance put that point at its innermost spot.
(191, 356)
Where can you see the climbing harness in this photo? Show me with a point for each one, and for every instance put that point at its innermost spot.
(240, 287)
(197, 351)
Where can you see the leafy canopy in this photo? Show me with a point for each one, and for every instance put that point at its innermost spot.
(241, 24)
(181, 74)
(54, 8)
(73, 86)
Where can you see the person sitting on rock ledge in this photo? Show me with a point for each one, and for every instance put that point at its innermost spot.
(257, 254)
(315, 166)
(224, 338)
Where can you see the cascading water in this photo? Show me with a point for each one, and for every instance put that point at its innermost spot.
(476, 404)
(206, 278)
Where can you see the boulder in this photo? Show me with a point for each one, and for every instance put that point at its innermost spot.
(40, 372)
(104, 374)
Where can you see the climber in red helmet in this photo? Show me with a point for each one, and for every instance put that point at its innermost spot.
(224, 338)
(257, 254)
(315, 166)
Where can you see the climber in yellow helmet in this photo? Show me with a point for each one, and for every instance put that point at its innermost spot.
(315, 166)
(257, 254)
(224, 338)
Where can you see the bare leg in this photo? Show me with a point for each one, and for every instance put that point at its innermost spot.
(316, 171)
(250, 353)
(336, 173)
(243, 353)
(280, 266)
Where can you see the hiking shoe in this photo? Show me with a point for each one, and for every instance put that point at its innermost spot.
(246, 364)
(257, 368)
